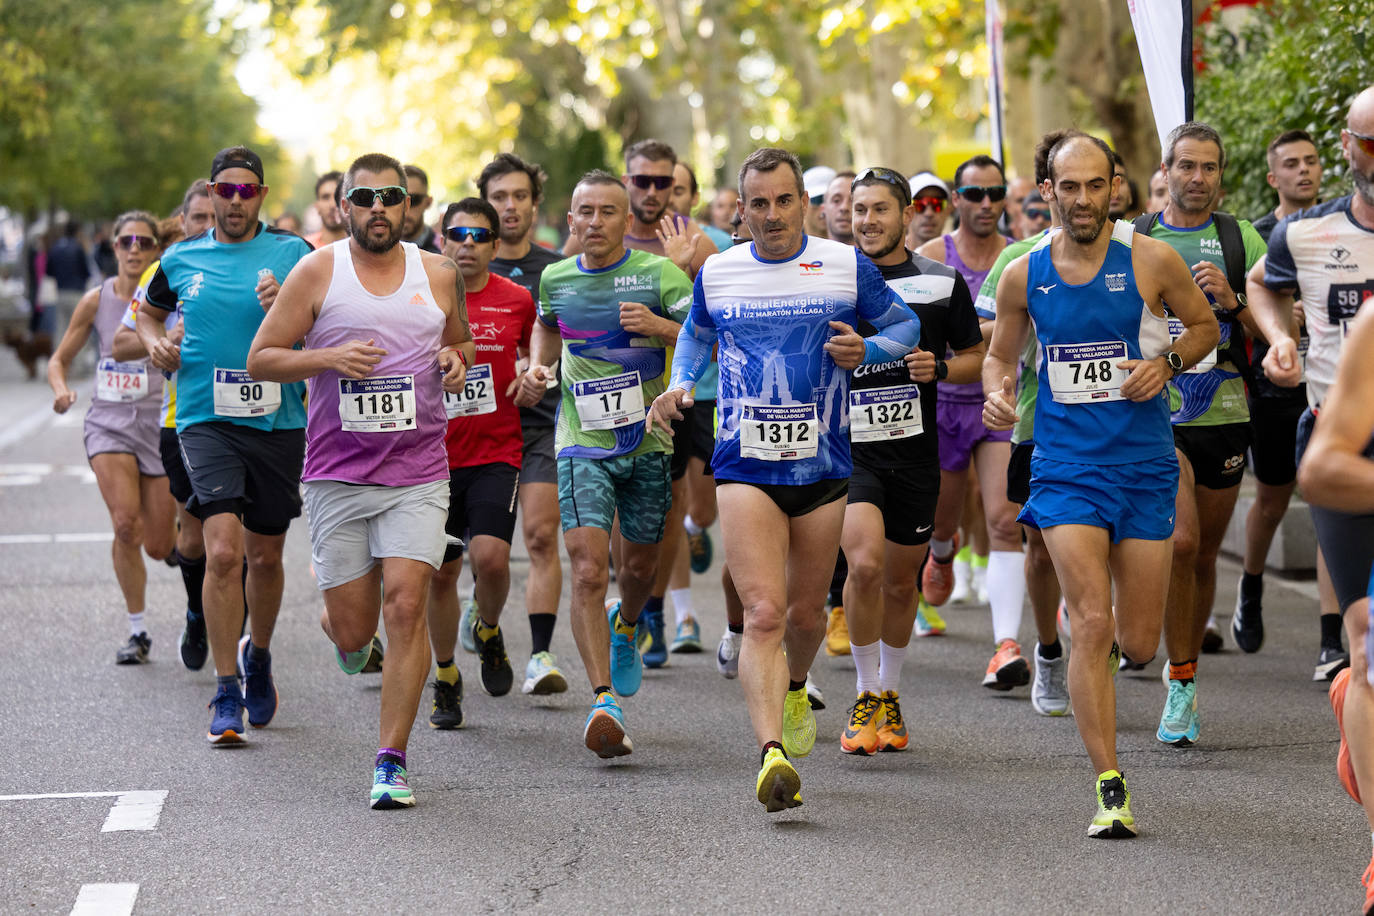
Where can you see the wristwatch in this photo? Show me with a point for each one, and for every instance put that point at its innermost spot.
(1241, 304)
(1174, 361)
(941, 370)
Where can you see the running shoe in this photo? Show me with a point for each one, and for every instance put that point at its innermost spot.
(376, 654)
(1050, 691)
(226, 724)
(352, 662)
(447, 712)
(605, 732)
(937, 579)
(391, 787)
(892, 734)
(727, 654)
(194, 648)
(1330, 662)
(688, 638)
(963, 583)
(1063, 619)
(928, 621)
(1247, 624)
(259, 689)
(466, 624)
(1211, 637)
(1368, 881)
(860, 735)
(496, 673)
(1113, 820)
(135, 651)
(542, 676)
(1179, 723)
(656, 653)
(837, 632)
(779, 784)
(627, 671)
(699, 551)
(813, 693)
(798, 724)
(1007, 668)
(1114, 658)
(1344, 769)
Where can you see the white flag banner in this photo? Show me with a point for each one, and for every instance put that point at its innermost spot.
(1164, 33)
(992, 33)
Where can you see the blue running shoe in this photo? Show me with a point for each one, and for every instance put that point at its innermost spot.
(391, 787)
(226, 725)
(259, 690)
(194, 648)
(466, 639)
(1179, 723)
(605, 732)
(656, 655)
(699, 551)
(688, 639)
(626, 668)
(352, 662)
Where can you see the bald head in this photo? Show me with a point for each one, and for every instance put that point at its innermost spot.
(1361, 116)
(1357, 144)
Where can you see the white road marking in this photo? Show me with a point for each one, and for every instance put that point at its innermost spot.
(136, 809)
(26, 426)
(105, 900)
(27, 475)
(80, 537)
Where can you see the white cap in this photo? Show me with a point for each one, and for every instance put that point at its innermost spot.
(926, 180)
(816, 179)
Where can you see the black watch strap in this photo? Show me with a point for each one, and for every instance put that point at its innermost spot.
(941, 370)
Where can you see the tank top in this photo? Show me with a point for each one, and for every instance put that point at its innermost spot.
(135, 382)
(1084, 331)
(971, 392)
(388, 428)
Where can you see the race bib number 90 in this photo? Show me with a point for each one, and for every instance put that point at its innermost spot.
(116, 381)
(385, 404)
(607, 403)
(1205, 364)
(779, 433)
(238, 394)
(477, 397)
(1086, 373)
(881, 414)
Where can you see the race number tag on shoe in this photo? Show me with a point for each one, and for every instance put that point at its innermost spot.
(477, 397)
(1086, 373)
(1206, 364)
(116, 381)
(238, 394)
(880, 414)
(606, 403)
(779, 433)
(377, 405)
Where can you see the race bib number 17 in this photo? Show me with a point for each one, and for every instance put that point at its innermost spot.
(608, 403)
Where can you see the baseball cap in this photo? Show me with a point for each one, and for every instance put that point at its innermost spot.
(236, 157)
(923, 180)
(816, 179)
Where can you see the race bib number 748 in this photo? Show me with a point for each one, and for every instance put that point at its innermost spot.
(1086, 373)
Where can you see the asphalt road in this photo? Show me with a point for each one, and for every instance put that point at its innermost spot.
(985, 813)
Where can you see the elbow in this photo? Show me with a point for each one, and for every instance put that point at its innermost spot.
(259, 367)
(1314, 475)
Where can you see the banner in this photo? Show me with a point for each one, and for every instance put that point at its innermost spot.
(1164, 34)
(992, 33)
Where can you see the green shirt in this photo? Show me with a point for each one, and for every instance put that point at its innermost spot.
(986, 307)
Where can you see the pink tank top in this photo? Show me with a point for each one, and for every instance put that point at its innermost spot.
(388, 428)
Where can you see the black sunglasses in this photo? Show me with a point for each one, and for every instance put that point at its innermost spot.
(658, 182)
(478, 234)
(364, 197)
(974, 194)
(894, 178)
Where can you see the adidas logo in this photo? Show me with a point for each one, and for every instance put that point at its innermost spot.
(418, 300)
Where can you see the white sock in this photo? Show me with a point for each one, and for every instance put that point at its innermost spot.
(940, 550)
(980, 574)
(682, 603)
(963, 575)
(1006, 592)
(890, 671)
(692, 527)
(866, 660)
(136, 624)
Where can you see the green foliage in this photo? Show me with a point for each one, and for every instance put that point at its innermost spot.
(1293, 67)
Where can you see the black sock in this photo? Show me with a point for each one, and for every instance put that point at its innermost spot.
(1331, 631)
(598, 691)
(652, 604)
(193, 577)
(244, 627)
(1052, 651)
(795, 685)
(735, 628)
(541, 632)
(763, 754)
(1252, 586)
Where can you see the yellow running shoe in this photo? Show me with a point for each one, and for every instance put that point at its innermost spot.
(860, 734)
(928, 621)
(1113, 820)
(779, 785)
(837, 632)
(798, 724)
(892, 734)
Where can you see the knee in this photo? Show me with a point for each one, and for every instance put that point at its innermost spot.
(899, 592)
(265, 560)
(541, 541)
(1092, 624)
(865, 572)
(765, 620)
(128, 528)
(1039, 563)
(348, 634)
(641, 565)
(1185, 547)
(223, 560)
(405, 608)
(1003, 531)
(1271, 511)
(446, 576)
(590, 576)
(491, 567)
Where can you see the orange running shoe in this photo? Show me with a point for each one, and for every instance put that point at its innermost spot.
(937, 580)
(1336, 693)
(837, 632)
(892, 734)
(1008, 668)
(861, 732)
(1368, 881)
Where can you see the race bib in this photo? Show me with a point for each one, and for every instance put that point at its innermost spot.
(880, 414)
(607, 403)
(238, 394)
(779, 433)
(1206, 364)
(116, 381)
(477, 397)
(1086, 373)
(385, 404)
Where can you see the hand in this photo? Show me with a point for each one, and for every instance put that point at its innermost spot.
(1299, 316)
(63, 400)
(178, 332)
(666, 408)
(165, 354)
(636, 318)
(1282, 365)
(1147, 378)
(999, 407)
(846, 348)
(514, 385)
(267, 291)
(1212, 281)
(533, 385)
(678, 246)
(455, 370)
(920, 365)
(355, 359)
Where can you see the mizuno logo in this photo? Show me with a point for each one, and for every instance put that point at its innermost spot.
(1046, 289)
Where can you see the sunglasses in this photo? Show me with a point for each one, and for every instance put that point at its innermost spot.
(391, 196)
(657, 182)
(417, 199)
(934, 204)
(136, 242)
(1036, 213)
(227, 190)
(896, 179)
(1363, 142)
(974, 194)
(461, 234)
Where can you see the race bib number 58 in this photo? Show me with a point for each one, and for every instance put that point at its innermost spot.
(1086, 373)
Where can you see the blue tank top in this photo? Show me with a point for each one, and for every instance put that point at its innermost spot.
(1084, 331)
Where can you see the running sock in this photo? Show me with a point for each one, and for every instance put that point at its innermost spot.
(136, 624)
(1331, 631)
(1052, 651)
(890, 669)
(1006, 592)
(794, 686)
(980, 567)
(485, 632)
(682, 604)
(866, 661)
(940, 550)
(385, 753)
(692, 527)
(1185, 672)
(623, 628)
(965, 555)
(193, 577)
(1252, 586)
(257, 653)
(228, 680)
(541, 632)
(448, 673)
(763, 754)
(652, 605)
(598, 691)
(735, 628)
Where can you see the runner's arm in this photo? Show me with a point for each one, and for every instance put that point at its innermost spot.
(1009, 336)
(899, 330)
(78, 329)
(272, 357)
(1334, 472)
